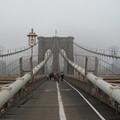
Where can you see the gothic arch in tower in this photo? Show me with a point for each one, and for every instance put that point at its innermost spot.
(65, 43)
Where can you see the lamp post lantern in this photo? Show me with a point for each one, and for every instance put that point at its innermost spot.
(32, 40)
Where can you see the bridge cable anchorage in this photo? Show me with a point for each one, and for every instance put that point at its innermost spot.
(100, 83)
(95, 52)
(20, 82)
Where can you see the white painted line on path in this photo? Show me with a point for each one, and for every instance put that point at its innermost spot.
(102, 118)
(61, 109)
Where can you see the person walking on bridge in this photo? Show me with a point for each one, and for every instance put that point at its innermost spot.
(62, 76)
(57, 77)
(47, 77)
(50, 76)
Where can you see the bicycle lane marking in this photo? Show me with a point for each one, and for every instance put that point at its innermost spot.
(61, 108)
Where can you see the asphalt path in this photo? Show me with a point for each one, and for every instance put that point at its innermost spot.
(60, 101)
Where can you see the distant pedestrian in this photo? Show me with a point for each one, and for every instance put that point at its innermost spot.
(47, 77)
(54, 76)
(62, 76)
(50, 76)
(57, 77)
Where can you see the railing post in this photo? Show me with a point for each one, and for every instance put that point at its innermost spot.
(21, 69)
(79, 75)
(96, 66)
(86, 65)
(31, 68)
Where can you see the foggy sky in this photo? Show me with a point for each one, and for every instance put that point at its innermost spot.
(93, 23)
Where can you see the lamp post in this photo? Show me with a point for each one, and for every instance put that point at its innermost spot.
(32, 41)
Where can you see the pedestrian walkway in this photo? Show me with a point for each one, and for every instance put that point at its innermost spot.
(53, 101)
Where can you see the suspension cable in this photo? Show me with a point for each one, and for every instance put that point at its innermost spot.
(12, 53)
(96, 52)
(16, 52)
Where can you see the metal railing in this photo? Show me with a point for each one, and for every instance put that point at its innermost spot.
(112, 91)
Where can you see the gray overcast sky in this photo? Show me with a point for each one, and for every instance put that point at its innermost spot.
(93, 23)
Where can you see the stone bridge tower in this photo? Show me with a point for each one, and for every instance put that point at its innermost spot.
(65, 43)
